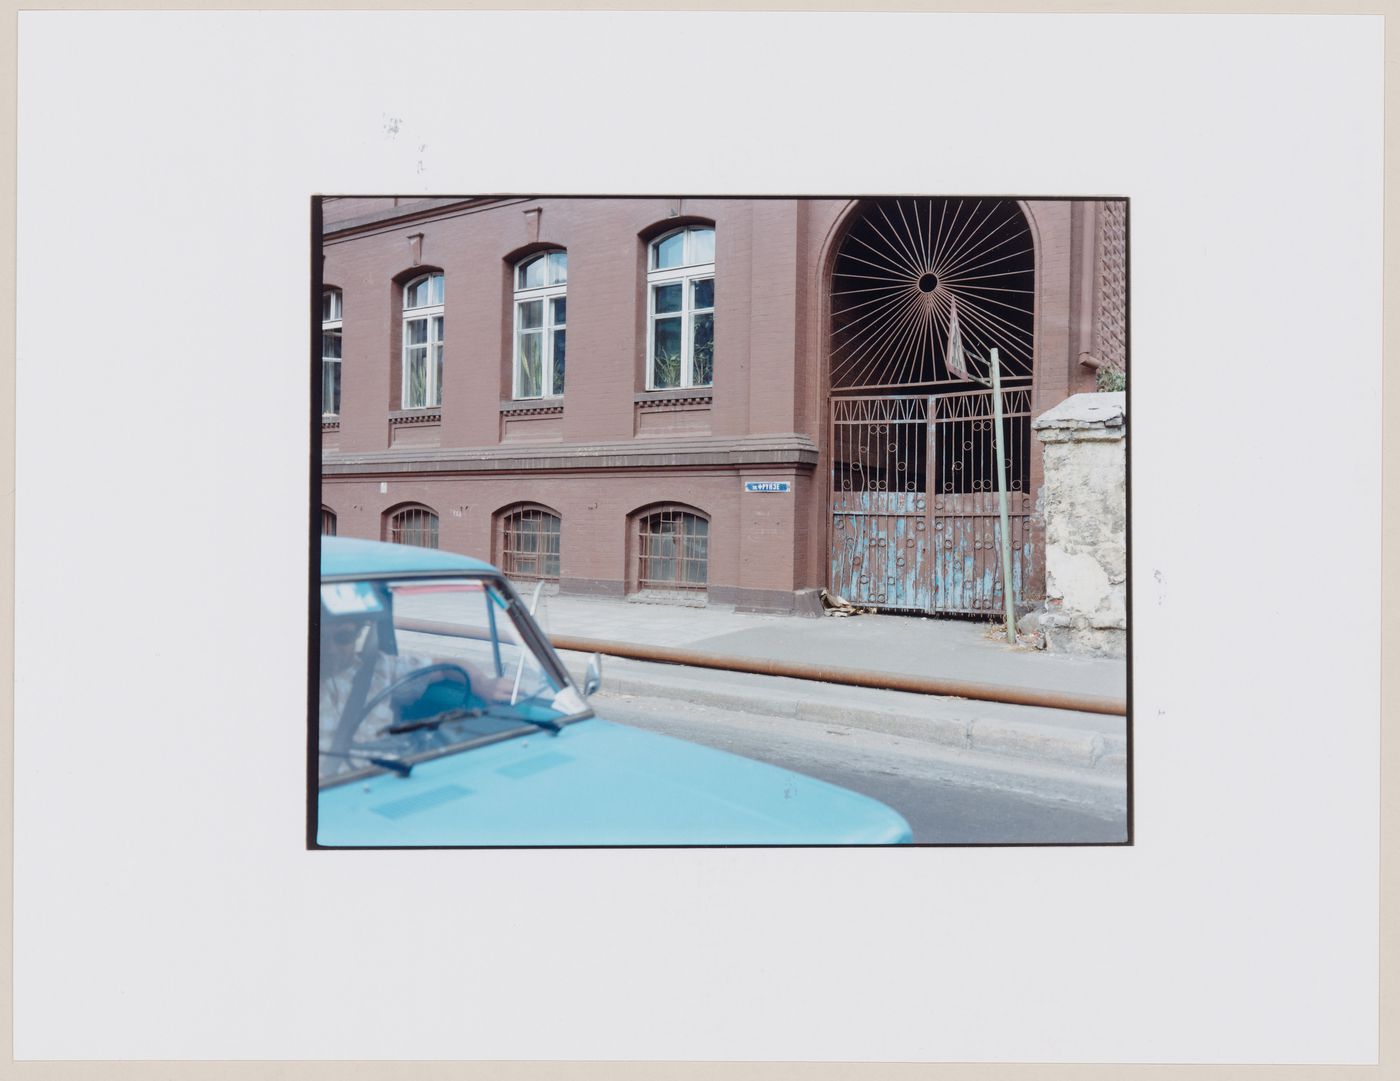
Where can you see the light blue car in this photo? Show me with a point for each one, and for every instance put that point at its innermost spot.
(447, 719)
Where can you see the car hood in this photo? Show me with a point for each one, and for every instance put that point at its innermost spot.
(599, 783)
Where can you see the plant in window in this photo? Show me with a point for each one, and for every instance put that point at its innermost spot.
(666, 368)
(541, 311)
(681, 309)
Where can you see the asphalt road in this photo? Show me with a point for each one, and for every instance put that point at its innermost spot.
(947, 796)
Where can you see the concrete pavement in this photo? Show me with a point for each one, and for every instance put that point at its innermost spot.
(953, 649)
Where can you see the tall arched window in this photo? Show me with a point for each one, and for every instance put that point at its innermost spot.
(330, 352)
(681, 309)
(673, 549)
(422, 342)
(529, 543)
(413, 525)
(540, 303)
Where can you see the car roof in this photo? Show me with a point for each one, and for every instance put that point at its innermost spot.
(347, 556)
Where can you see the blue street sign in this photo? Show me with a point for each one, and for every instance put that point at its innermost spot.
(767, 486)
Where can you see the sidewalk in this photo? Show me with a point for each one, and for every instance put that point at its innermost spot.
(953, 649)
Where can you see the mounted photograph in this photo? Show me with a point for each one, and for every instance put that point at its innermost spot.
(709, 520)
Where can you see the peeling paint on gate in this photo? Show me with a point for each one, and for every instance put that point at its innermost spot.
(895, 545)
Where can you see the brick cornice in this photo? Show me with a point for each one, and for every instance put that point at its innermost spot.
(399, 216)
(533, 407)
(796, 451)
(669, 400)
(416, 416)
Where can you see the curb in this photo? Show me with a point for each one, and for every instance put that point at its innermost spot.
(1009, 739)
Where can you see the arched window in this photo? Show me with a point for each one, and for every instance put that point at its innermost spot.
(673, 549)
(413, 525)
(422, 342)
(529, 543)
(330, 352)
(327, 522)
(540, 304)
(681, 309)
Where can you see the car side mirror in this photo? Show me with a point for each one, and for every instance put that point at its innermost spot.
(593, 679)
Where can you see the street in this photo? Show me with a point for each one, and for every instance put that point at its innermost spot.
(948, 796)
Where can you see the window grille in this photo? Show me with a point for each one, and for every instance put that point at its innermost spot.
(923, 289)
(673, 551)
(530, 544)
(414, 525)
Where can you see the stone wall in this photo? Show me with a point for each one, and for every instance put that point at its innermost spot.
(1086, 536)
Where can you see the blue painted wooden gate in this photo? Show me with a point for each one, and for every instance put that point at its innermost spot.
(915, 522)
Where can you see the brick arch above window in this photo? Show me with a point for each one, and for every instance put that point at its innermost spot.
(672, 545)
(526, 252)
(527, 541)
(412, 273)
(658, 229)
(411, 523)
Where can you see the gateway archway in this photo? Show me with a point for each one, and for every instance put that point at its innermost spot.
(922, 289)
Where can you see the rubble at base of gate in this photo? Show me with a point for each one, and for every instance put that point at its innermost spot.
(832, 605)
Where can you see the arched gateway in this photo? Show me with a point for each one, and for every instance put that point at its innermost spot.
(921, 291)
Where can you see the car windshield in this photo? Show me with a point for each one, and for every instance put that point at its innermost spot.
(411, 669)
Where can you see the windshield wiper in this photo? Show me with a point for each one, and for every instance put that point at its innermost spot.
(459, 714)
(510, 711)
(437, 719)
(383, 761)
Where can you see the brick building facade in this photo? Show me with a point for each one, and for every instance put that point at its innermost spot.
(580, 389)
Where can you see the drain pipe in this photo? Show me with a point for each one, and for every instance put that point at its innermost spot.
(851, 677)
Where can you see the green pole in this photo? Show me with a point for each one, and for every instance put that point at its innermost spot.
(1001, 499)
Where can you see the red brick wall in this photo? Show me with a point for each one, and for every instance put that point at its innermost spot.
(772, 263)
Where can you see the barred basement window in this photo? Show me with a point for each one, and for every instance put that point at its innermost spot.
(673, 550)
(529, 544)
(327, 522)
(414, 525)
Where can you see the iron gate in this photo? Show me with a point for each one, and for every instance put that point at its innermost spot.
(915, 517)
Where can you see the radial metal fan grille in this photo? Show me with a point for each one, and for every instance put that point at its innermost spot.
(910, 270)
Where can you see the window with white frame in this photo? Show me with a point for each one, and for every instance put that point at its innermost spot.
(422, 342)
(681, 309)
(330, 353)
(540, 315)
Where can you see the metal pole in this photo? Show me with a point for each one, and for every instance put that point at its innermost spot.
(1001, 499)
